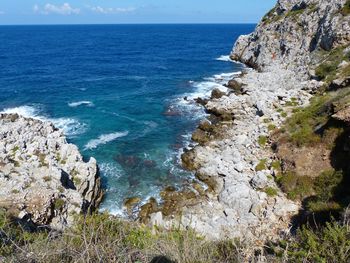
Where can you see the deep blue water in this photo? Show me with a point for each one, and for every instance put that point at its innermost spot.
(117, 91)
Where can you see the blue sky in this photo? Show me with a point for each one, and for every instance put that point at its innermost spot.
(132, 11)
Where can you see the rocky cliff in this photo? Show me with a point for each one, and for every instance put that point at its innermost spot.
(43, 179)
(292, 32)
(299, 48)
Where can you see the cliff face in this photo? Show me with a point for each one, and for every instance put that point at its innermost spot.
(43, 179)
(292, 31)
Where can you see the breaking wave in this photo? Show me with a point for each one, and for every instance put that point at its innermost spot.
(69, 126)
(104, 138)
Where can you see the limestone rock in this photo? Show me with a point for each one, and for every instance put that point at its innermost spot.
(42, 177)
(288, 33)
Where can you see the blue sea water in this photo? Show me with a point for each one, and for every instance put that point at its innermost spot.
(118, 92)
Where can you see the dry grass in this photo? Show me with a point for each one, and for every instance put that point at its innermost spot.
(100, 238)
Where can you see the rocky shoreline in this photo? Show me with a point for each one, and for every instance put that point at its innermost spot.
(242, 199)
(43, 179)
(234, 156)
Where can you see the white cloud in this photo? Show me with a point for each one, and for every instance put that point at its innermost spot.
(111, 10)
(36, 8)
(64, 9)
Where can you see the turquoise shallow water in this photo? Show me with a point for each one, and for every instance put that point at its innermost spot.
(117, 91)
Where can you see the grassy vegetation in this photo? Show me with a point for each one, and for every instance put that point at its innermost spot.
(76, 180)
(270, 191)
(294, 14)
(330, 243)
(276, 165)
(271, 17)
(300, 127)
(328, 68)
(101, 238)
(346, 9)
(15, 149)
(59, 203)
(261, 165)
(262, 140)
(296, 187)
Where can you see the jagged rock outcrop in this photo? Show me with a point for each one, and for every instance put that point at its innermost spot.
(43, 179)
(289, 34)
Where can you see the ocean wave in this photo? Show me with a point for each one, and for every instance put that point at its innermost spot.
(104, 138)
(224, 58)
(69, 126)
(25, 111)
(81, 103)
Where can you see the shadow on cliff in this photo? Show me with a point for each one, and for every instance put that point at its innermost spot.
(161, 259)
(333, 208)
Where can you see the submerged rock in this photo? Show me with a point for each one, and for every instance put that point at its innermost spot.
(42, 177)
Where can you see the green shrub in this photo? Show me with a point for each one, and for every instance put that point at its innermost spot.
(325, 69)
(326, 184)
(262, 140)
(59, 203)
(345, 11)
(261, 165)
(284, 114)
(270, 191)
(328, 69)
(103, 238)
(300, 126)
(15, 149)
(294, 14)
(76, 180)
(276, 165)
(327, 244)
(305, 136)
(315, 206)
(296, 187)
(271, 127)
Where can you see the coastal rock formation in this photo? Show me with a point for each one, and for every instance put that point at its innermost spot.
(43, 179)
(245, 201)
(290, 33)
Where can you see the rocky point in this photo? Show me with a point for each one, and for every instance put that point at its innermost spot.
(43, 179)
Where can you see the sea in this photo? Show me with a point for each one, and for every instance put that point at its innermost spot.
(124, 94)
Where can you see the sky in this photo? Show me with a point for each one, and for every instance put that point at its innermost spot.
(132, 11)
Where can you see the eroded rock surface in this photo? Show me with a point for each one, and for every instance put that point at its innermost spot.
(290, 33)
(43, 178)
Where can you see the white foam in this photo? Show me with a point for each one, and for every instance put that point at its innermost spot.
(25, 111)
(69, 126)
(224, 58)
(104, 138)
(81, 103)
(226, 76)
(110, 170)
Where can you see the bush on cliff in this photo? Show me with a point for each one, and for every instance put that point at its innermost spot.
(102, 238)
(330, 243)
(346, 9)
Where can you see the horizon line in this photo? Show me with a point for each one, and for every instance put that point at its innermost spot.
(165, 23)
